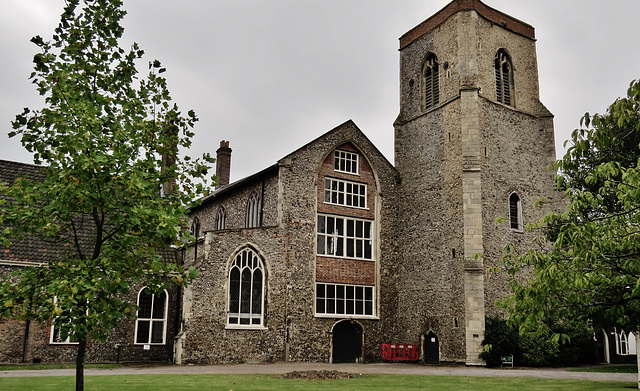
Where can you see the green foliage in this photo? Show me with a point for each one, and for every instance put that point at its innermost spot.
(544, 347)
(499, 340)
(587, 268)
(539, 349)
(108, 139)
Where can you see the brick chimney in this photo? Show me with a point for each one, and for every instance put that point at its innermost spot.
(223, 163)
(169, 150)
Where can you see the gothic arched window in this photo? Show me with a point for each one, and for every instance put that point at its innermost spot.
(195, 227)
(504, 78)
(253, 211)
(431, 80)
(622, 343)
(221, 219)
(246, 290)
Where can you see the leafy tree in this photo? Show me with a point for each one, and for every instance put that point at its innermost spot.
(537, 348)
(107, 141)
(587, 268)
(499, 340)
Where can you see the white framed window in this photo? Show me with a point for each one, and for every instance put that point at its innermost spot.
(56, 337)
(151, 322)
(631, 340)
(246, 291)
(504, 77)
(515, 213)
(253, 211)
(221, 218)
(623, 345)
(345, 162)
(55, 333)
(346, 193)
(342, 299)
(345, 237)
(431, 80)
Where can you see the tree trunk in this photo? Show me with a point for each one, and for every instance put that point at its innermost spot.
(25, 340)
(638, 355)
(82, 348)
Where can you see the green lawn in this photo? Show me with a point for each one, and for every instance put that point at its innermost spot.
(629, 368)
(269, 382)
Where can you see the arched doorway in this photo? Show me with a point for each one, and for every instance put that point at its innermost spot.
(347, 342)
(431, 348)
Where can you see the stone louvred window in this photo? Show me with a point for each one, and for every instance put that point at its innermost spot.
(431, 80)
(151, 322)
(339, 299)
(246, 290)
(253, 211)
(504, 77)
(345, 162)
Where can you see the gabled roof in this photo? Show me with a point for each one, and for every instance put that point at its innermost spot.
(228, 189)
(273, 169)
(9, 171)
(30, 249)
(337, 129)
(492, 15)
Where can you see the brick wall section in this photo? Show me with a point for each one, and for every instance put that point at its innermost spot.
(223, 163)
(345, 271)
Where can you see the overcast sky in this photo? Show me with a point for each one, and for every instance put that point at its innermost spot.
(272, 75)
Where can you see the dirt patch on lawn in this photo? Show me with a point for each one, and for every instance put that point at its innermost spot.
(318, 375)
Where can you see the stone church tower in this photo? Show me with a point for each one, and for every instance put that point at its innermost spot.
(473, 144)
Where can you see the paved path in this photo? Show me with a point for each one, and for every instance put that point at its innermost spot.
(399, 368)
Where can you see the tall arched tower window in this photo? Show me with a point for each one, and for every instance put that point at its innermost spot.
(431, 81)
(515, 212)
(504, 78)
(246, 290)
(253, 211)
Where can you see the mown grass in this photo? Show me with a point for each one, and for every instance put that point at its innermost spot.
(273, 383)
(629, 368)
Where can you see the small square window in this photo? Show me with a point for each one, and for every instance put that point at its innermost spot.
(346, 162)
